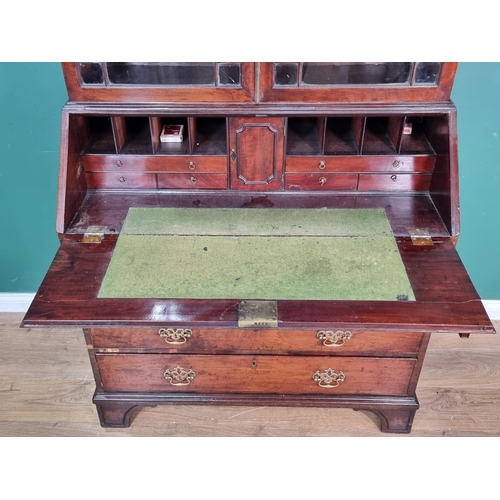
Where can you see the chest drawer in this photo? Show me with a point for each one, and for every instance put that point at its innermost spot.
(254, 374)
(199, 340)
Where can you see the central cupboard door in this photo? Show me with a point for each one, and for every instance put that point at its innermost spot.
(256, 153)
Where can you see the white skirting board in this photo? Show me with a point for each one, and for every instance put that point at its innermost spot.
(19, 302)
(492, 308)
(15, 302)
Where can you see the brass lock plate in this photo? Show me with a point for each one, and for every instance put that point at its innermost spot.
(258, 314)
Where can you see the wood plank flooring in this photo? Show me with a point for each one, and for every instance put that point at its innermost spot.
(46, 387)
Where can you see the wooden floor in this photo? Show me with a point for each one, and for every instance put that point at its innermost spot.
(46, 387)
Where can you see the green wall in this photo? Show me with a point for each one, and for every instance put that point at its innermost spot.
(31, 98)
(477, 95)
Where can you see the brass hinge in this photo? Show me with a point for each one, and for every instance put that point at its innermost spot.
(94, 234)
(258, 314)
(420, 236)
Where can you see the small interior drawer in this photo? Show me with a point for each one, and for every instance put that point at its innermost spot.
(120, 180)
(394, 182)
(351, 163)
(142, 163)
(323, 181)
(192, 180)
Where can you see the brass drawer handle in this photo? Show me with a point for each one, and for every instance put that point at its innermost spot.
(322, 181)
(329, 378)
(179, 376)
(333, 339)
(191, 165)
(322, 165)
(194, 180)
(175, 336)
(394, 178)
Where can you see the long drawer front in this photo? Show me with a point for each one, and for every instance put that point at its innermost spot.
(244, 340)
(255, 374)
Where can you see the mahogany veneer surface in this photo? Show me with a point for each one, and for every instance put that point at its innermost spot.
(436, 273)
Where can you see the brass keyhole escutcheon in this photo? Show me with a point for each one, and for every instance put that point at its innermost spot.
(194, 180)
(233, 154)
(394, 178)
(121, 179)
(396, 163)
(322, 165)
(191, 165)
(322, 181)
(254, 363)
(118, 163)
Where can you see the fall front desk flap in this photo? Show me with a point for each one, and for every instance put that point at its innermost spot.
(268, 254)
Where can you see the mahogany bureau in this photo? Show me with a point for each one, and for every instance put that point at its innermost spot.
(268, 152)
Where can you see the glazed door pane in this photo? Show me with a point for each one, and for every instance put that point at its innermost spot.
(427, 72)
(161, 73)
(382, 73)
(355, 73)
(196, 74)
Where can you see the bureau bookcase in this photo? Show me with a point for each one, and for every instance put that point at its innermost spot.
(295, 248)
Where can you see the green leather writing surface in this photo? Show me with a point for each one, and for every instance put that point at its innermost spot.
(318, 261)
(257, 222)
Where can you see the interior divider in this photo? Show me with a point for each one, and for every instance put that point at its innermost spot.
(155, 128)
(119, 132)
(395, 128)
(358, 128)
(321, 124)
(191, 133)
